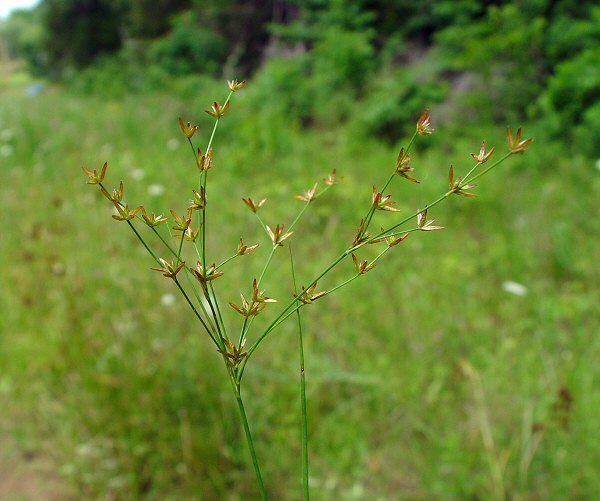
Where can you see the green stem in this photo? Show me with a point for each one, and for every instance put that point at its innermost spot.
(369, 216)
(250, 441)
(199, 299)
(180, 246)
(248, 323)
(264, 227)
(203, 180)
(485, 171)
(226, 261)
(208, 330)
(143, 242)
(220, 318)
(287, 313)
(276, 322)
(193, 149)
(298, 216)
(188, 273)
(187, 298)
(266, 266)
(171, 250)
(214, 313)
(199, 222)
(304, 432)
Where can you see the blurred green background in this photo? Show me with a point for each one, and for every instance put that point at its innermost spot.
(465, 366)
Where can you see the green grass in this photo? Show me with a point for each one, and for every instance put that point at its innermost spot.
(127, 397)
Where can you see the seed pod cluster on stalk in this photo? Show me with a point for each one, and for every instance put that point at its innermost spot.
(167, 244)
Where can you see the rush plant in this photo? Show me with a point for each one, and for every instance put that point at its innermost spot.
(169, 240)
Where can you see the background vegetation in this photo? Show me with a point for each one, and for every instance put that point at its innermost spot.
(431, 380)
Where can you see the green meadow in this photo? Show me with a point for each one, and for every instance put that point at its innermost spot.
(464, 366)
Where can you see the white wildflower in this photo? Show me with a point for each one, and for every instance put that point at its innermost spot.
(514, 288)
(156, 190)
(167, 299)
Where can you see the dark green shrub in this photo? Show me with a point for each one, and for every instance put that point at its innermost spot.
(571, 102)
(189, 48)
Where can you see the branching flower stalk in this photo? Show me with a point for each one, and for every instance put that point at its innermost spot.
(199, 291)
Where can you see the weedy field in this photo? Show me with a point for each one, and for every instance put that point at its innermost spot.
(465, 366)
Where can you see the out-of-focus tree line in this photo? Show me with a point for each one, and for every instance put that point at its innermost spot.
(511, 59)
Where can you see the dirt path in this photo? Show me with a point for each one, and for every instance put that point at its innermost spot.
(28, 478)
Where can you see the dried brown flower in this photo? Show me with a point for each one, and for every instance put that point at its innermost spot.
(361, 267)
(247, 309)
(483, 157)
(189, 234)
(96, 178)
(199, 200)
(217, 110)
(307, 296)
(254, 206)
(234, 354)
(205, 275)
(188, 129)
(516, 145)
(395, 240)
(381, 202)
(244, 249)
(308, 195)
(424, 224)
(456, 187)
(332, 178)
(424, 124)
(171, 269)
(403, 167)
(259, 296)
(182, 222)
(361, 235)
(204, 162)
(152, 220)
(234, 85)
(277, 236)
(124, 213)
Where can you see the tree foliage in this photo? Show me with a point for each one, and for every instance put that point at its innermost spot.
(523, 58)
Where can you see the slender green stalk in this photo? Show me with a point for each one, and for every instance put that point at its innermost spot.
(248, 322)
(143, 242)
(440, 199)
(276, 322)
(210, 328)
(220, 317)
(304, 432)
(264, 226)
(164, 241)
(223, 263)
(203, 180)
(210, 296)
(193, 149)
(496, 163)
(188, 273)
(199, 299)
(187, 298)
(287, 312)
(221, 334)
(266, 266)
(250, 441)
(180, 246)
(369, 216)
(295, 221)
